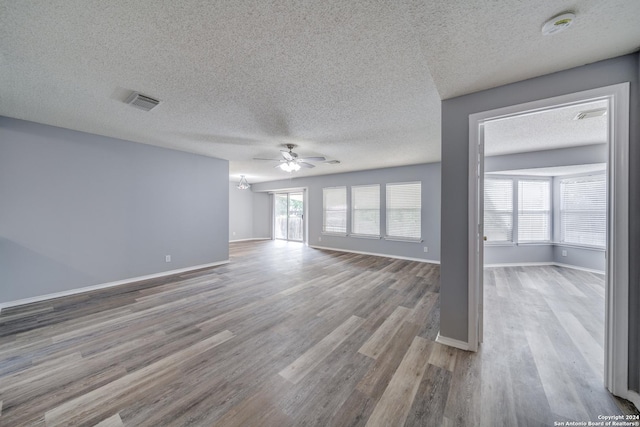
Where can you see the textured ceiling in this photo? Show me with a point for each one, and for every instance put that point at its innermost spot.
(357, 81)
(555, 128)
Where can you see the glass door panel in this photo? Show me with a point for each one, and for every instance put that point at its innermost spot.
(281, 201)
(296, 215)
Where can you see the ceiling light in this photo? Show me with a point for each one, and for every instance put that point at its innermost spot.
(243, 184)
(590, 113)
(290, 166)
(558, 23)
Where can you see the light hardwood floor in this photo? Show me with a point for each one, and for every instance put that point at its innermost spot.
(286, 335)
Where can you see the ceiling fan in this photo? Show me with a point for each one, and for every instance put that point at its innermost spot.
(290, 161)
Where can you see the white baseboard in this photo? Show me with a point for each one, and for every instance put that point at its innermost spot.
(575, 267)
(376, 254)
(518, 264)
(537, 264)
(462, 345)
(250, 239)
(105, 285)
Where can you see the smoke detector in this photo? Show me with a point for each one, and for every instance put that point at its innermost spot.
(558, 23)
(141, 101)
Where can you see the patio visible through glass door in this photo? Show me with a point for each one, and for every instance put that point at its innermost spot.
(289, 216)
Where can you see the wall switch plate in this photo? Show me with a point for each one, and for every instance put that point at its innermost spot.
(167, 258)
(564, 253)
(426, 249)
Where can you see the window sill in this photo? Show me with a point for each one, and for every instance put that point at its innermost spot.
(327, 233)
(547, 243)
(402, 239)
(499, 243)
(574, 246)
(365, 236)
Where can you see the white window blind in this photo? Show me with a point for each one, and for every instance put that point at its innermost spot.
(534, 210)
(583, 210)
(498, 210)
(404, 205)
(365, 210)
(334, 210)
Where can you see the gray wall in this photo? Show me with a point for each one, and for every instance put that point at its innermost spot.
(429, 174)
(262, 216)
(249, 214)
(240, 213)
(591, 259)
(583, 155)
(455, 168)
(515, 254)
(79, 209)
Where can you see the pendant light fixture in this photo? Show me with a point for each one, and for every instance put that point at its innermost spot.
(243, 184)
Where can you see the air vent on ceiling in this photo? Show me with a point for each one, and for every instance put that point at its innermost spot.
(141, 101)
(590, 113)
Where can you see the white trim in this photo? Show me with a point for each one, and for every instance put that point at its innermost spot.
(452, 342)
(429, 261)
(249, 239)
(542, 264)
(106, 285)
(575, 267)
(519, 264)
(617, 280)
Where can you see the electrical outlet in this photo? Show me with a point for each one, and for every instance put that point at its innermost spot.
(564, 253)
(319, 238)
(234, 233)
(426, 249)
(167, 258)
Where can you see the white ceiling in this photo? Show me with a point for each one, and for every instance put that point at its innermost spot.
(555, 128)
(358, 81)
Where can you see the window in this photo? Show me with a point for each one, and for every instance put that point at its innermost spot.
(404, 205)
(534, 210)
(498, 210)
(583, 210)
(334, 210)
(365, 210)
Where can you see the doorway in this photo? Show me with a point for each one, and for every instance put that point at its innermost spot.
(289, 216)
(617, 280)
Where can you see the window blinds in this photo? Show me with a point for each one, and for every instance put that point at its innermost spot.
(583, 210)
(498, 210)
(365, 210)
(534, 210)
(334, 210)
(404, 205)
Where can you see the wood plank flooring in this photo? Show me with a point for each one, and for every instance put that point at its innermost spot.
(285, 335)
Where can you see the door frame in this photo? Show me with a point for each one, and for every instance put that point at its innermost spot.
(305, 216)
(616, 345)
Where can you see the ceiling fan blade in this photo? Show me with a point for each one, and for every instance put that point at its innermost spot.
(286, 155)
(313, 159)
(306, 165)
(271, 160)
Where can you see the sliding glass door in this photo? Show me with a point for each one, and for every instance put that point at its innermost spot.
(289, 216)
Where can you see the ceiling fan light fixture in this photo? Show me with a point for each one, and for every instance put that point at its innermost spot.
(243, 184)
(290, 166)
(558, 23)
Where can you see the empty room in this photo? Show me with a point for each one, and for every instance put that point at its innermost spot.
(413, 213)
